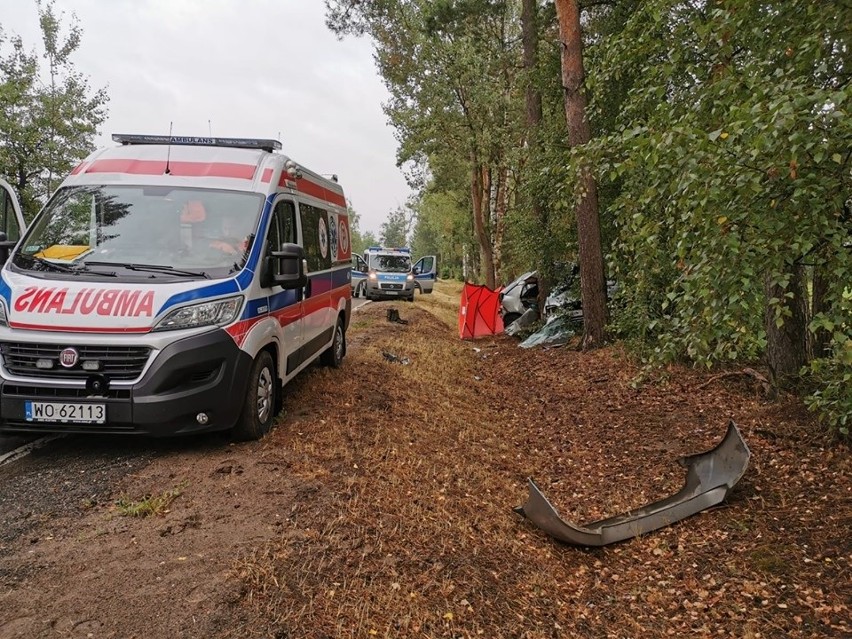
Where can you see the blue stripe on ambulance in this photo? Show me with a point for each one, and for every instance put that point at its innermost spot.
(339, 277)
(197, 294)
(245, 277)
(5, 292)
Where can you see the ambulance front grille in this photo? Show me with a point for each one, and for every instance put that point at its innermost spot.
(41, 361)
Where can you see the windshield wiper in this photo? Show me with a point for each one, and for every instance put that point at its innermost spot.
(153, 268)
(65, 268)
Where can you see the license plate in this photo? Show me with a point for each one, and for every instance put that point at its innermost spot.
(65, 413)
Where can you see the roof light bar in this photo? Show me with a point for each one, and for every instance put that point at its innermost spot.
(177, 140)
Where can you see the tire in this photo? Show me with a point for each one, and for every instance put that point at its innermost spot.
(333, 355)
(258, 411)
(411, 298)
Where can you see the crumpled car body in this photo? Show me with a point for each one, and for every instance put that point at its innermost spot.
(518, 296)
(709, 479)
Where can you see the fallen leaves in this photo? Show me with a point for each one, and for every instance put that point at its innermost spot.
(439, 472)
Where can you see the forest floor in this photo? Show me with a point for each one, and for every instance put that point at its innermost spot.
(381, 506)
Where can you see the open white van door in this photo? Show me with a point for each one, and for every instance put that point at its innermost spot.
(11, 220)
(425, 273)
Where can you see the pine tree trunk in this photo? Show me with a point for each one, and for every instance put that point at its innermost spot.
(534, 116)
(592, 281)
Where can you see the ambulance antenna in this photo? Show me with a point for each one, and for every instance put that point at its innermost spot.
(169, 148)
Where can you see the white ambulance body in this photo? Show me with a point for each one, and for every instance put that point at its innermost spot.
(170, 286)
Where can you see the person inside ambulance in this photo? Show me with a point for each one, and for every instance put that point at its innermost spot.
(217, 234)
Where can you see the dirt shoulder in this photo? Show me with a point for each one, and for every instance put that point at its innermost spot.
(382, 506)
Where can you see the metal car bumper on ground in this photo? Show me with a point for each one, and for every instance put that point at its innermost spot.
(710, 477)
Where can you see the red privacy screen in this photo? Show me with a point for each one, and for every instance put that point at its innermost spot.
(479, 312)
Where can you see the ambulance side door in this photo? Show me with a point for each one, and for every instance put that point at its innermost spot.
(425, 273)
(285, 305)
(11, 219)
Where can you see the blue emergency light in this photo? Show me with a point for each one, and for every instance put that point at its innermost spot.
(177, 140)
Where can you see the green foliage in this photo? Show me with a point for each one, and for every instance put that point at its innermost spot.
(358, 239)
(721, 151)
(451, 70)
(48, 117)
(395, 230)
(831, 375)
(443, 229)
(730, 165)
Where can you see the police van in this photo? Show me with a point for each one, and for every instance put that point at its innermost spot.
(387, 273)
(171, 285)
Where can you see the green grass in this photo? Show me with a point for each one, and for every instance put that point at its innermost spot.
(148, 505)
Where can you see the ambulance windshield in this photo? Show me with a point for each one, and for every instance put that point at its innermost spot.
(391, 263)
(122, 228)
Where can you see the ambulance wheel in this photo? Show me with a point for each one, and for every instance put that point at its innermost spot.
(258, 411)
(333, 355)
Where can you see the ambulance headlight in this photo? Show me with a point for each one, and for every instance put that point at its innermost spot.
(218, 313)
(3, 321)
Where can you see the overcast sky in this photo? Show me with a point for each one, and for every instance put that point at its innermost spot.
(252, 68)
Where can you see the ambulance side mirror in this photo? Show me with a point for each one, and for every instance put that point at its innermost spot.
(285, 267)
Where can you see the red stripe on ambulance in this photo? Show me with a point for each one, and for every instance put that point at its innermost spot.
(176, 168)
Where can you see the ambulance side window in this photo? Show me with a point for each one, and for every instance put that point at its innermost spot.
(285, 211)
(282, 228)
(315, 237)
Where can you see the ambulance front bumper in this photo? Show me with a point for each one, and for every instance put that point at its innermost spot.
(194, 384)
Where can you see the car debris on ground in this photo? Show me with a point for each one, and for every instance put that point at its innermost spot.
(709, 479)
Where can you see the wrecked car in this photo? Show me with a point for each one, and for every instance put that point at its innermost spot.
(518, 297)
(519, 303)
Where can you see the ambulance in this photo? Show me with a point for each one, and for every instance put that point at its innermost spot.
(171, 285)
(387, 273)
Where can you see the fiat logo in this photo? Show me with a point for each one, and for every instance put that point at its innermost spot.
(68, 357)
